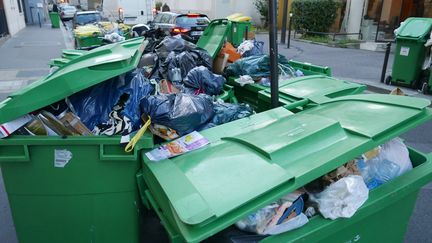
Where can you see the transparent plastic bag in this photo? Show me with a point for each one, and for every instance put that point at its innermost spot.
(342, 198)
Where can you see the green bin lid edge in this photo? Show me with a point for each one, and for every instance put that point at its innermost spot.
(78, 74)
(415, 28)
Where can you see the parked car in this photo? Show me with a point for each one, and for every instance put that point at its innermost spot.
(191, 25)
(67, 12)
(86, 17)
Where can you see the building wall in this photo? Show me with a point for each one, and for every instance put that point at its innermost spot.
(14, 17)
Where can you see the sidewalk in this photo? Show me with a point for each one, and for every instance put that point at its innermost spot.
(24, 60)
(360, 66)
(26, 56)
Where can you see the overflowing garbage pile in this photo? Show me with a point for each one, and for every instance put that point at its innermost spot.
(338, 194)
(173, 89)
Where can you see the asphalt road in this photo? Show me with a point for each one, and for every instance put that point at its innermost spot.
(346, 63)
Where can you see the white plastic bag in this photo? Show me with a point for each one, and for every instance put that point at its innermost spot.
(342, 198)
(244, 79)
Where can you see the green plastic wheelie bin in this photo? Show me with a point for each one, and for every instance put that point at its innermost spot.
(410, 52)
(55, 19)
(252, 162)
(91, 196)
(309, 90)
(239, 30)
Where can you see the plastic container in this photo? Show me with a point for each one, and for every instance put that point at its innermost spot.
(254, 161)
(73, 189)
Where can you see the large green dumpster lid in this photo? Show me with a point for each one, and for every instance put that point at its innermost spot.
(415, 28)
(80, 73)
(315, 86)
(253, 161)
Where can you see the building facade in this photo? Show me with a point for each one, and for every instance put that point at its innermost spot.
(377, 19)
(11, 17)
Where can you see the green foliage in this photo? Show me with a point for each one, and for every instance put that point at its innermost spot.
(158, 5)
(314, 15)
(263, 8)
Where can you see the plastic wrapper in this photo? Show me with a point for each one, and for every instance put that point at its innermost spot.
(204, 81)
(182, 112)
(258, 66)
(94, 104)
(342, 198)
(278, 217)
(384, 164)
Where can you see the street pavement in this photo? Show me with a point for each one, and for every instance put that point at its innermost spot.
(24, 59)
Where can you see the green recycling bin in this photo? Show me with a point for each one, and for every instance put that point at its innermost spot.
(239, 30)
(252, 162)
(310, 90)
(77, 188)
(410, 52)
(249, 92)
(55, 19)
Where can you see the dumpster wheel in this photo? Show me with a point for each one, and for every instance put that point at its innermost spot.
(424, 88)
(388, 80)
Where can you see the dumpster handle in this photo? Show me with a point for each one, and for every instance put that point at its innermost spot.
(115, 157)
(296, 104)
(24, 156)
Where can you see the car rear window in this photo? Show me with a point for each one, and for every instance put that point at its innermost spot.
(69, 8)
(83, 19)
(192, 20)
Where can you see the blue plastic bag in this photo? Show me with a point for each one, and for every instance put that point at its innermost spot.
(202, 79)
(184, 113)
(94, 104)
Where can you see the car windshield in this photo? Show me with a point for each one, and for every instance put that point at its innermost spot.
(83, 19)
(191, 21)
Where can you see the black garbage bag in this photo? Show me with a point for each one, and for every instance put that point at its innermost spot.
(182, 112)
(203, 80)
(173, 43)
(185, 61)
(94, 104)
(258, 66)
(227, 112)
(202, 57)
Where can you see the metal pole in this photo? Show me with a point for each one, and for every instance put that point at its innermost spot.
(274, 74)
(284, 22)
(40, 23)
(289, 30)
(386, 57)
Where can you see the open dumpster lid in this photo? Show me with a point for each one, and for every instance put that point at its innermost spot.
(316, 86)
(252, 162)
(80, 73)
(415, 27)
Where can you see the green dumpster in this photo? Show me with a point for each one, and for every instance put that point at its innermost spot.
(312, 90)
(55, 19)
(90, 196)
(239, 30)
(249, 92)
(410, 52)
(252, 162)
